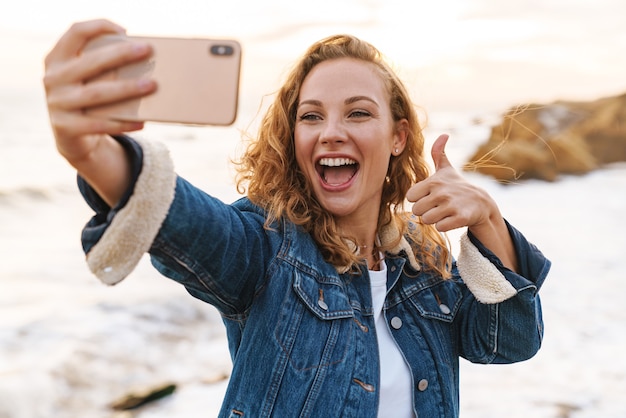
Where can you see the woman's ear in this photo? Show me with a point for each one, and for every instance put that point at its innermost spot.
(400, 136)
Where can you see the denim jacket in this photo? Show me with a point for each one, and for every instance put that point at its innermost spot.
(300, 331)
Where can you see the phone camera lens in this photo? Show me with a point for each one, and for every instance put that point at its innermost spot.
(222, 50)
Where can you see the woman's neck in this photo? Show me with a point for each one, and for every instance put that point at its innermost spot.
(364, 232)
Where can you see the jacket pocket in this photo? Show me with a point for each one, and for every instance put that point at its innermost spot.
(441, 301)
(314, 328)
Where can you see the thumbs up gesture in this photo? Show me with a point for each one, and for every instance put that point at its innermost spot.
(446, 199)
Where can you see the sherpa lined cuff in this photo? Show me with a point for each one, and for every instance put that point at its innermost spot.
(132, 229)
(482, 277)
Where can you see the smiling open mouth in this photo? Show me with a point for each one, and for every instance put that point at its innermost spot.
(337, 171)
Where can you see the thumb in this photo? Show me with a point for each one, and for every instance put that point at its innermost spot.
(438, 152)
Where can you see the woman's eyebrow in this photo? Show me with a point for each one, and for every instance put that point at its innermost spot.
(349, 100)
(354, 99)
(310, 102)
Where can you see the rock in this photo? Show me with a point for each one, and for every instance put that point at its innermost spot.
(544, 141)
(139, 397)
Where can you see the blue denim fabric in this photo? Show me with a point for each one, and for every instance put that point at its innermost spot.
(302, 336)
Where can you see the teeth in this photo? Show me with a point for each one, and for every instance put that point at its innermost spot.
(336, 162)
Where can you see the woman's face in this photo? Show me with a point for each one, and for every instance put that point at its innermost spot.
(345, 136)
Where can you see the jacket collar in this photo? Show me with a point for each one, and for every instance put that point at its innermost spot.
(389, 234)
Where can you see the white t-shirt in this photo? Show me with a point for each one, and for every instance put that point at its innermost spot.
(396, 394)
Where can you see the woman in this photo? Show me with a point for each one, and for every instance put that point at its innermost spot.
(336, 303)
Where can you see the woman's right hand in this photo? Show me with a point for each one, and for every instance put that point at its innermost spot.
(83, 139)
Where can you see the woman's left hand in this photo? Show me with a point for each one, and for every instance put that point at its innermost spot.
(448, 201)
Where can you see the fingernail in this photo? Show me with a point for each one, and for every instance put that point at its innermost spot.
(145, 84)
(140, 48)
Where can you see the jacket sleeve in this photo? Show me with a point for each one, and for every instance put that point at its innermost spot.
(219, 252)
(115, 239)
(502, 320)
(487, 278)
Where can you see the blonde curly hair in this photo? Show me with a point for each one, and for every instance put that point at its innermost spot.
(270, 173)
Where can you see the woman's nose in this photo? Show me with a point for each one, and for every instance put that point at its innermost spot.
(333, 131)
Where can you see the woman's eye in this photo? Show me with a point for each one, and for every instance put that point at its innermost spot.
(309, 116)
(359, 114)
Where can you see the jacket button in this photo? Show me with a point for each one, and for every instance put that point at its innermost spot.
(422, 385)
(444, 309)
(322, 304)
(396, 322)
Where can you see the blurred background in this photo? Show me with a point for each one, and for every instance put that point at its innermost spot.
(69, 346)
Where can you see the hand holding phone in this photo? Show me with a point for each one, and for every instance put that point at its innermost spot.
(197, 81)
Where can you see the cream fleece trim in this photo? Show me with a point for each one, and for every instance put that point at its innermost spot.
(135, 226)
(483, 279)
(390, 233)
(387, 235)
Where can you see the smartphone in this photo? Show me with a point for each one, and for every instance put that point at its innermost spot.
(197, 81)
